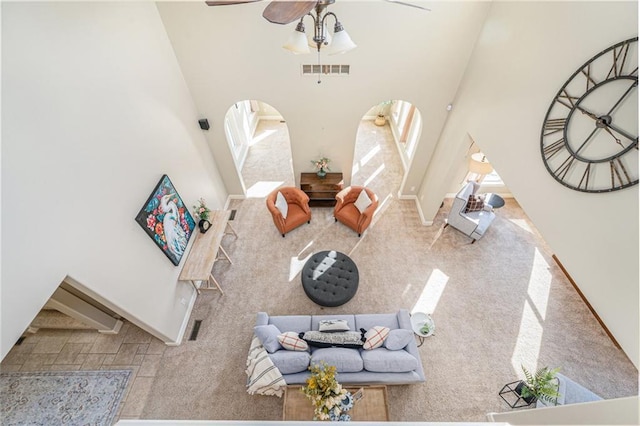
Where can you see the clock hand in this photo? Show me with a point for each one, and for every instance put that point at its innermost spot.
(613, 136)
(588, 113)
(622, 132)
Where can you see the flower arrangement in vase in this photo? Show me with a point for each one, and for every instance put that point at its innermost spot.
(322, 165)
(201, 211)
(330, 400)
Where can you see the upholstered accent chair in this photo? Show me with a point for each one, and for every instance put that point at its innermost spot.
(471, 223)
(352, 211)
(297, 208)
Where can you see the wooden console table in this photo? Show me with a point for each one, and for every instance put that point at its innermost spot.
(372, 407)
(321, 191)
(204, 253)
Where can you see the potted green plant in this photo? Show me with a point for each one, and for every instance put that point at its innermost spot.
(542, 385)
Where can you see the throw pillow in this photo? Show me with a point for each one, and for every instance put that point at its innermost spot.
(268, 336)
(374, 338)
(363, 201)
(333, 325)
(398, 339)
(475, 204)
(342, 339)
(291, 342)
(281, 204)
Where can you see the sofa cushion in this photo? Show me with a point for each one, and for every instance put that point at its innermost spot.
(383, 360)
(281, 204)
(343, 339)
(268, 336)
(315, 321)
(474, 204)
(289, 362)
(368, 321)
(291, 342)
(333, 325)
(345, 360)
(398, 339)
(374, 337)
(363, 201)
(297, 323)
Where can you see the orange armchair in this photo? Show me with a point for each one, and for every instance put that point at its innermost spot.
(347, 213)
(298, 211)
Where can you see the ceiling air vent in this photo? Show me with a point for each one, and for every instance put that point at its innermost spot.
(325, 69)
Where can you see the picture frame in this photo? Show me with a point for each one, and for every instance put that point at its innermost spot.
(166, 220)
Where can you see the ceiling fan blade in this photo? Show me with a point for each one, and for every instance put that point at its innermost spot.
(228, 2)
(285, 12)
(409, 4)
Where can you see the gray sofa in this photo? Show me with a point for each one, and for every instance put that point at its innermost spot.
(354, 366)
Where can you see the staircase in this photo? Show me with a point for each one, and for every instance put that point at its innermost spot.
(50, 318)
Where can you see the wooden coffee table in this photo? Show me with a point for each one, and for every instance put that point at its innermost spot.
(372, 407)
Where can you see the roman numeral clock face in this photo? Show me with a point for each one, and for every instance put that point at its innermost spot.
(589, 138)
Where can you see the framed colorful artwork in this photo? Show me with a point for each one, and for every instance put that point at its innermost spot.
(166, 220)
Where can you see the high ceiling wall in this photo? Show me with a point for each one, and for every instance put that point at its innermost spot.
(231, 53)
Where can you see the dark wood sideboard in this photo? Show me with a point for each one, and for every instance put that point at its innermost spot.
(321, 191)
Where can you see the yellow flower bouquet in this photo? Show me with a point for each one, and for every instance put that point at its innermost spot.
(330, 400)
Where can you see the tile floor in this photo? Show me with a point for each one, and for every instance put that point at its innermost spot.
(67, 350)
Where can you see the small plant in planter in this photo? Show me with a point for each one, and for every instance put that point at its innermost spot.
(380, 118)
(542, 385)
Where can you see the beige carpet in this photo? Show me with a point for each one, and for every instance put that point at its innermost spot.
(497, 304)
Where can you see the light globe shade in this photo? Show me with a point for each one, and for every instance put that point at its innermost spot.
(297, 43)
(341, 43)
(479, 164)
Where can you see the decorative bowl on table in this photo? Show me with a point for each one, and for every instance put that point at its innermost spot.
(422, 324)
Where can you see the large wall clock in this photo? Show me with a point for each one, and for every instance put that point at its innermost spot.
(589, 139)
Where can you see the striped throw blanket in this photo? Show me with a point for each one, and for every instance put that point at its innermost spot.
(263, 377)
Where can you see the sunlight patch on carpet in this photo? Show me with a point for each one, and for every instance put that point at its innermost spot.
(527, 347)
(297, 263)
(262, 189)
(262, 136)
(431, 293)
(521, 223)
(374, 175)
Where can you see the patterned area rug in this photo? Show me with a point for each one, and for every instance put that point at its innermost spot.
(62, 398)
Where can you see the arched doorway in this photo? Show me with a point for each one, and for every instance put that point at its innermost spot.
(384, 147)
(259, 140)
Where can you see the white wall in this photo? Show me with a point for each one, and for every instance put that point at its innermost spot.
(526, 52)
(232, 53)
(619, 411)
(94, 110)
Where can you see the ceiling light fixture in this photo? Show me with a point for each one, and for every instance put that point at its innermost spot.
(339, 43)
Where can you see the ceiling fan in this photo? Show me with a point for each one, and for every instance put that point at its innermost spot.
(286, 12)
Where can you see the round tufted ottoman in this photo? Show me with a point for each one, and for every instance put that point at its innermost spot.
(330, 278)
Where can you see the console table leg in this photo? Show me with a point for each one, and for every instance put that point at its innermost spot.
(226, 255)
(232, 231)
(212, 278)
(193, 283)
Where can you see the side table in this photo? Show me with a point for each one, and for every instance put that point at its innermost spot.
(494, 200)
(321, 191)
(419, 320)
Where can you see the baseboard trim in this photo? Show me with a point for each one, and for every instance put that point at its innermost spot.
(424, 221)
(185, 321)
(586, 302)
